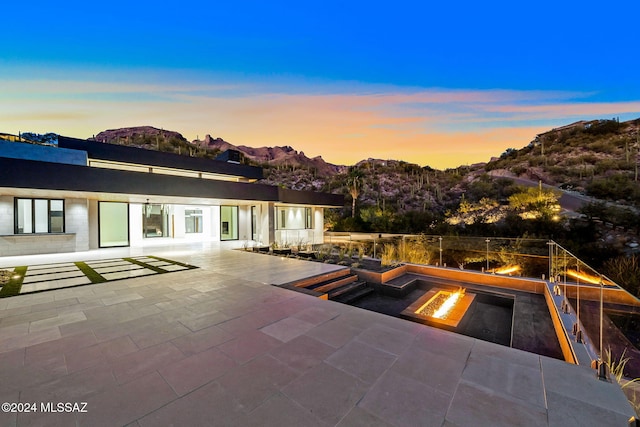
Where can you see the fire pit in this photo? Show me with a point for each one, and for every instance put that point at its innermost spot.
(440, 307)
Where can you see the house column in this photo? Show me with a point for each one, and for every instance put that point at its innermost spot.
(271, 223)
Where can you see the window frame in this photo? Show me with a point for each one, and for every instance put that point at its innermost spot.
(281, 217)
(197, 224)
(235, 208)
(33, 215)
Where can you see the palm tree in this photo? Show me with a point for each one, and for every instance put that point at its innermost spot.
(354, 190)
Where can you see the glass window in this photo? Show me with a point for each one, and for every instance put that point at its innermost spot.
(155, 220)
(193, 220)
(113, 219)
(42, 215)
(294, 218)
(56, 215)
(39, 216)
(228, 223)
(24, 216)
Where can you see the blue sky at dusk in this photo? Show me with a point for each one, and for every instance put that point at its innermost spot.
(439, 84)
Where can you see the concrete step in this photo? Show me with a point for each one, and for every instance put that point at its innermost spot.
(354, 295)
(320, 278)
(336, 292)
(330, 285)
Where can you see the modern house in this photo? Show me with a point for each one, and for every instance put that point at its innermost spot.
(81, 194)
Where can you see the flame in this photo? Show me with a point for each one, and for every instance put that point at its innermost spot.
(588, 278)
(507, 269)
(448, 304)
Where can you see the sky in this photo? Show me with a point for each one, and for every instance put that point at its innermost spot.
(441, 84)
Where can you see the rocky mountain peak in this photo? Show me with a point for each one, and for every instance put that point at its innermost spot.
(117, 135)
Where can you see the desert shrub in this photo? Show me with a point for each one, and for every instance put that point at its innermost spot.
(535, 161)
(607, 165)
(625, 271)
(418, 251)
(389, 255)
(588, 158)
(614, 187)
(603, 146)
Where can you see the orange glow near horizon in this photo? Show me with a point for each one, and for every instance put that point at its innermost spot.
(430, 127)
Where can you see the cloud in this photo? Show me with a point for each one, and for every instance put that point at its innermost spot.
(342, 122)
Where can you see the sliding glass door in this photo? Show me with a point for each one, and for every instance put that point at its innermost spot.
(113, 220)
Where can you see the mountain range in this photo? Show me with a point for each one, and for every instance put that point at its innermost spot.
(599, 158)
(149, 137)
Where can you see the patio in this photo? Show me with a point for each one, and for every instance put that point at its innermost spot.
(219, 345)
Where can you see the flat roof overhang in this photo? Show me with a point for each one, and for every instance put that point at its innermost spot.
(42, 178)
(296, 197)
(125, 154)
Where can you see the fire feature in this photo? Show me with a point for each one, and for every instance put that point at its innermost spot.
(440, 304)
(440, 307)
(507, 270)
(588, 278)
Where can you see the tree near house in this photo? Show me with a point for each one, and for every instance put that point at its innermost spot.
(354, 191)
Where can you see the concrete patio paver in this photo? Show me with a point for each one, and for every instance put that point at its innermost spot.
(219, 345)
(252, 383)
(362, 361)
(327, 392)
(403, 401)
(190, 373)
(302, 353)
(476, 405)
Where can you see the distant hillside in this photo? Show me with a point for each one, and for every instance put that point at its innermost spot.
(128, 134)
(274, 156)
(152, 138)
(598, 158)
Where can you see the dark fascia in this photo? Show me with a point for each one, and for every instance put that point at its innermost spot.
(310, 198)
(19, 173)
(122, 153)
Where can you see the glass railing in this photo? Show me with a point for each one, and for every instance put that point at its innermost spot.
(534, 258)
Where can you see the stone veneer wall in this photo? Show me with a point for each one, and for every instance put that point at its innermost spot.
(77, 222)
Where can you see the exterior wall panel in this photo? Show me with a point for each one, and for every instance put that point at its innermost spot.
(77, 222)
(21, 150)
(6, 215)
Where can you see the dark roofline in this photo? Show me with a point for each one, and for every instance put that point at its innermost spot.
(19, 173)
(123, 153)
(286, 195)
